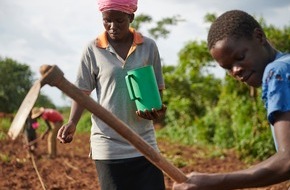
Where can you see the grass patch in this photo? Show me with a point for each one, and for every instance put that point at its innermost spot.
(4, 158)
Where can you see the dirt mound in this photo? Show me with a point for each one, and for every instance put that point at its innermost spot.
(72, 169)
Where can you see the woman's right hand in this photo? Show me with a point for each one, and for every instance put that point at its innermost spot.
(66, 132)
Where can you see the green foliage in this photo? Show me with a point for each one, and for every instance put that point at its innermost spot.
(209, 17)
(140, 20)
(180, 134)
(85, 123)
(177, 160)
(239, 121)
(4, 158)
(160, 29)
(280, 38)
(15, 81)
(4, 127)
(188, 90)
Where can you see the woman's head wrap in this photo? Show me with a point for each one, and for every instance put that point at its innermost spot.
(127, 6)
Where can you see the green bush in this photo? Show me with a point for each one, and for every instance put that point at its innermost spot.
(4, 127)
(84, 125)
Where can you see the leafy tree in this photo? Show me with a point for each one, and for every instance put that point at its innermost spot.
(190, 89)
(15, 81)
(140, 20)
(192, 81)
(160, 30)
(279, 37)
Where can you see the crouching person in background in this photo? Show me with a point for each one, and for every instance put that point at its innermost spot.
(53, 120)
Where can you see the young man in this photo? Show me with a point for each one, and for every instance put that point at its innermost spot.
(238, 44)
(103, 68)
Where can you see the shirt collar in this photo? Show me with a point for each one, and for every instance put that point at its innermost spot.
(102, 40)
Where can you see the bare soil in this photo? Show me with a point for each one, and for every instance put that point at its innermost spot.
(72, 169)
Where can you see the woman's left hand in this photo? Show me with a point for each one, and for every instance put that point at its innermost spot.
(153, 114)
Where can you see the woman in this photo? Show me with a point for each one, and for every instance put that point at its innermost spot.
(103, 68)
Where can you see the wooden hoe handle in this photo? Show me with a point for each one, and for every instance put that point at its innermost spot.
(53, 76)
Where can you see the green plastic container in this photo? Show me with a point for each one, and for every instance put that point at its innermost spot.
(143, 89)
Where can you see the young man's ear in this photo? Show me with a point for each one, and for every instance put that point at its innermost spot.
(260, 35)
